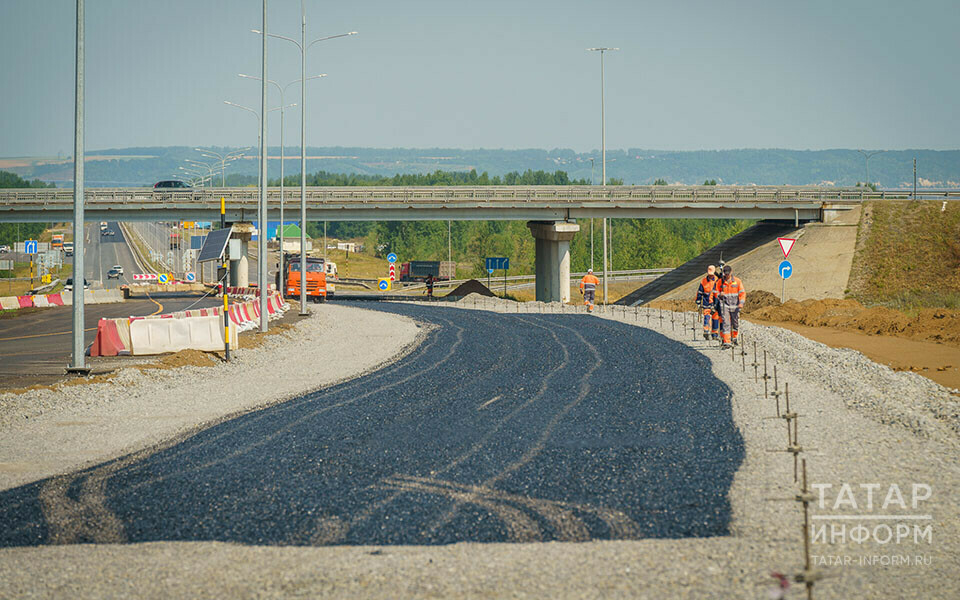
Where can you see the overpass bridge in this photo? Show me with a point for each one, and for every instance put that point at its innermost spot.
(370, 203)
(551, 211)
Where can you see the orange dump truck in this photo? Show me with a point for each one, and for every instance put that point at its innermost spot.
(316, 278)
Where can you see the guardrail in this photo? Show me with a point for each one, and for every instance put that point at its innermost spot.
(52, 197)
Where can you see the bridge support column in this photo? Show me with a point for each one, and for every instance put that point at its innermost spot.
(553, 258)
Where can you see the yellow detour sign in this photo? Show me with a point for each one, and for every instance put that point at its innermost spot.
(383, 284)
(187, 224)
(45, 278)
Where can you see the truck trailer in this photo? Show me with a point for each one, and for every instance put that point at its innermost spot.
(418, 270)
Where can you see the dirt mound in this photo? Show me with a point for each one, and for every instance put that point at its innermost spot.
(471, 287)
(759, 299)
(932, 324)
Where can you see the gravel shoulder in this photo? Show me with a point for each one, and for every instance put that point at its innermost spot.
(47, 432)
(861, 423)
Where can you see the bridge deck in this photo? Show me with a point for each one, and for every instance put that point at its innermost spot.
(442, 203)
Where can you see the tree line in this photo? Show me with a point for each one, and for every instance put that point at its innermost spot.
(11, 233)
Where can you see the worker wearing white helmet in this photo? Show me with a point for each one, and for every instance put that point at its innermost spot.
(588, 287)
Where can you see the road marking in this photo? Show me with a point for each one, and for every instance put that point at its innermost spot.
(39, 335)
(489, 402)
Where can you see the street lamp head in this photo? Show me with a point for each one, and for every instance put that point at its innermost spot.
(600, 49)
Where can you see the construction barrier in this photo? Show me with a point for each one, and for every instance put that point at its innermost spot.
(157, 334)
(60, 299)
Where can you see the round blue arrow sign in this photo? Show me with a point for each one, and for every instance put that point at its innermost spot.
(391, 258)
(384, 285)
(785, 269)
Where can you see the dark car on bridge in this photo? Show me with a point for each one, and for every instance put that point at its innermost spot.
(171, 185)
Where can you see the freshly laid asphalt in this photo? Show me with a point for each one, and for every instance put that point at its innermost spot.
(497, 428)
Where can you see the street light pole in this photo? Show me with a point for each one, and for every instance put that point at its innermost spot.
(77, 364)
(303, 47)
(261, 244)
(603, 159)
(282, 158)
(866, 160)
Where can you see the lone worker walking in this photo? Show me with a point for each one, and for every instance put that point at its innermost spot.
(429, 282)
(588, 287)
(711, 319)
(731, 295)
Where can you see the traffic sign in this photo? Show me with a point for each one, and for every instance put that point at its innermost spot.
(490, 271)
(190, 276)
(497, 262)
(30, 247)
(786, 244)
(785, 269)
(162, 278)
(383, 284)
(391, 258)
(393, 272)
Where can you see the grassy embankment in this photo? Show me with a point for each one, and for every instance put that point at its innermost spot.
(908, 256)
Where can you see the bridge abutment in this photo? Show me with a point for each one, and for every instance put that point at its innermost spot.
(553, 258)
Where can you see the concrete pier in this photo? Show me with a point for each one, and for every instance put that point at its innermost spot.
(553, 258)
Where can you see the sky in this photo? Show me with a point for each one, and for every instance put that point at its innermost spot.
(489, 74)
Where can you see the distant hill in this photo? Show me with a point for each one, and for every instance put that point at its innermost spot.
(144, 166)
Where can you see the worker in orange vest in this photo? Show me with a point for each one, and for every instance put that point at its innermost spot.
(705, 301)
(588, 287)
(731, 295)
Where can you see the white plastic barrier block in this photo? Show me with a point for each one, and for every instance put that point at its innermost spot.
(159, 336)
(40, 301)
(9, 303)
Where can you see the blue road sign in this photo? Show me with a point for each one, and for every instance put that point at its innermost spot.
(191, 276)
(391, 258)
(162, 278)
(490, 271)
(495, 263)
(383, 285)
(785, 269)
(30, 247)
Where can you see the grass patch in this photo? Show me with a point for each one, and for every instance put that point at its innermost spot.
(908, 256)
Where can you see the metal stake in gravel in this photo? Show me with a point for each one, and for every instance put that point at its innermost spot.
(755, 364)
(809, 575)
(776, 391)
(661, 318)
(765, 376)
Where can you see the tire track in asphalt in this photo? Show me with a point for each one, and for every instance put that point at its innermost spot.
(368, 512)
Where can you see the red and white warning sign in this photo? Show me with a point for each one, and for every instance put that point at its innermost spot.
(785, 245)
(393, 272)
(144, 277)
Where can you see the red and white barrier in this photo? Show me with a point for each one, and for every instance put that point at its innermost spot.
(59, 299)
(196, 328)
(144, 277)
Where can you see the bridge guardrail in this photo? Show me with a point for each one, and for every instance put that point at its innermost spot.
(499, 194)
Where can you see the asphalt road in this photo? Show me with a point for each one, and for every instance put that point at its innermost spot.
(36, 344)
(101, 252)
(497, 428)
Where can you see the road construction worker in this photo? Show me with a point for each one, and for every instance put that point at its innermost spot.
(731, 295)
(705, 302)
(429, 281)
(588, 287)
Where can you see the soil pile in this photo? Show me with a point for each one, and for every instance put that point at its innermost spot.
(932, 324)
(471, 287)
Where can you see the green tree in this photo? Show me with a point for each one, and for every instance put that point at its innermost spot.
(710, 182)
(11, 233)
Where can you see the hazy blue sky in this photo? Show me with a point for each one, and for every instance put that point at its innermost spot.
(492, 74)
